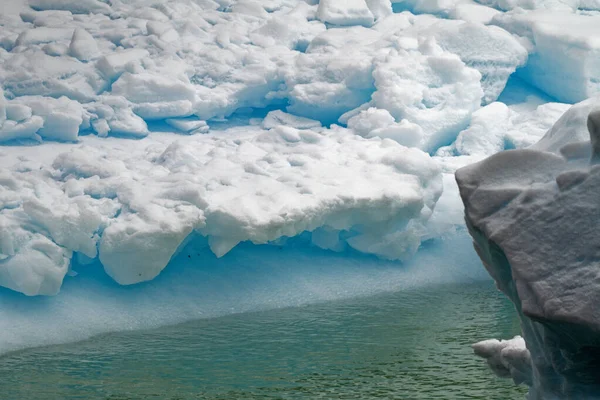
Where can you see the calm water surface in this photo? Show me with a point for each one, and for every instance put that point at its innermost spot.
(413, 344)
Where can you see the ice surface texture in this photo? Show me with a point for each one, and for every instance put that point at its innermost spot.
(134, 207)
(534, 218)
(70, 67)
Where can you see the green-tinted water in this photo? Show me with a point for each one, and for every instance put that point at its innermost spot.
(407, 345)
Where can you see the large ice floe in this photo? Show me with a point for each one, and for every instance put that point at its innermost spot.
(168, 160)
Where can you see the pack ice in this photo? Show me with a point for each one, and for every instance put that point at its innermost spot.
(131, 129)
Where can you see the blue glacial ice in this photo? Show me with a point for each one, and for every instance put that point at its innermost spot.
(163, 161)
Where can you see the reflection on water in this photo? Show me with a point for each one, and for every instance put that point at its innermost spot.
(413, 344)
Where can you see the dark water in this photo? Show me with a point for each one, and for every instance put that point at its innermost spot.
(413, 344)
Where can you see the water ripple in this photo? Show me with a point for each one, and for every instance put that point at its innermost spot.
(413, 344)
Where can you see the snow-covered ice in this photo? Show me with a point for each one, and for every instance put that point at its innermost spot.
(77, 72)
(133, 206)
(131, 131)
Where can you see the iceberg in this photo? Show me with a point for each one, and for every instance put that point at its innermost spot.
(533, 217)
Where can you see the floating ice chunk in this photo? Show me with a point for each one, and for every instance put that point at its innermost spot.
(74, 6)
(114, 64)
(571, 128)
(507, 358)
(150, 88)
(278, 117)
(494, 52)
(127, 198)
(249, 7)
(163, 30)
(2, 107)
(137, 248)
(497, 127)
(375, 122)
(162, 110)
(473, 12)
(563, 5)
(13, 130)
(17, 112)
(157, 97)
(293, 29)
(114, 114)
(485, 136)
(43, 35)
(50, 18)
(36, 268)
(83, 46)
(405, 88)
(125, 122)
(188, 125)
(350, 12)
(380, 8)
(32, 72)
(574, 56)
(62, 117)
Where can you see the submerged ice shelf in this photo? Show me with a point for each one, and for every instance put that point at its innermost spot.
(133, 206)
(198, 285)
